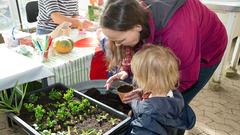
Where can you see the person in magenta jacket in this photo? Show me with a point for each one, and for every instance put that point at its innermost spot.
(193, 32)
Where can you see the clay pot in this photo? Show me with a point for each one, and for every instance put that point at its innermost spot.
(123, 90)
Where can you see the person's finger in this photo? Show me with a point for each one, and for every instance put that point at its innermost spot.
(107, 86)
(131, 96)
(111, 79)
(126, 101)
(123, 76)
(137, 93)
(109, 82)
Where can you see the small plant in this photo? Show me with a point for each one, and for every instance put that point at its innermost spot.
(113, 121)
(39, 126)
(101, 117)
(39, 112)
(57, 127)
(81, 119)
(62, 114)
(46, 132)
(85, 102)
(60, 105)
(68, 95)
(51, 123)
(55, 95)
(33, 98)
(13, 102)
(70, 122)
(74, 106)
(91, 132)
(75, 130)
(29, 107)
(51, 113)
(49, 132)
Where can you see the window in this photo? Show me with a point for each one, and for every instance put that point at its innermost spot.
(22, 9)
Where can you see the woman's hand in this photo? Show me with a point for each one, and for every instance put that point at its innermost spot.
(119, 76)
(135, 94)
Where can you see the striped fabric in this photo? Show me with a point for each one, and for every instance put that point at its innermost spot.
(46, 7)
(71, 68)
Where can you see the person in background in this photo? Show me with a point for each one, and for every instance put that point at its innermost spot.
(54, 12)
(193, 32)
(161, 110)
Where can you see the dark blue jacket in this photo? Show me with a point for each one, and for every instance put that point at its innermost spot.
(161, 115)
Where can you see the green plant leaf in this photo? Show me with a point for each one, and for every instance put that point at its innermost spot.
(14, 101)
(5, 104)
(23, 95)
(5, 96)
(6, 110)
(2, 97)
(19, 90)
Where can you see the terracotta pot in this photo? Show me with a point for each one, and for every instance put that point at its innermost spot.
(123, 90)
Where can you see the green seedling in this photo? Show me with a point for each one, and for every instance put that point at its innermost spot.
(91, 132)
(68, 95)
(74, 106)
(62, 114)
(102, 117)
(29, 107)
(33, 98)
(39, 112)
(51, 123)
(113, 121)
(55, 95)
(51, 113)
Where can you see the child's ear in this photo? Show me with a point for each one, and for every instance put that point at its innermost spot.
(138, 27)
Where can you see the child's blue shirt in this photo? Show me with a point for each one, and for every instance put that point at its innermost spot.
(161, 115)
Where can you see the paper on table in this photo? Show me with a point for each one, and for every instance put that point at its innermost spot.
(15, 67)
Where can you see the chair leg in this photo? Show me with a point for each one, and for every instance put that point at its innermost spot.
(232, 70)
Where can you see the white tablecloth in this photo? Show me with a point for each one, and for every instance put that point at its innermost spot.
(74, 67)
(71, 68)
(18, 68)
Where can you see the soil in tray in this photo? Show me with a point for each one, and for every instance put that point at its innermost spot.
(109, 99)
(91, 119)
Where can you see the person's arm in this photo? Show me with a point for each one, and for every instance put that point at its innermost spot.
(118, 76)
(59, 18)
(75, 22)
(54, 12)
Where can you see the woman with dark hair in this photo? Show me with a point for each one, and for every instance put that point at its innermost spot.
(187, 27)
(192, 31)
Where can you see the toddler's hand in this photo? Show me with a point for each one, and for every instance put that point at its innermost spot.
(119, 76)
